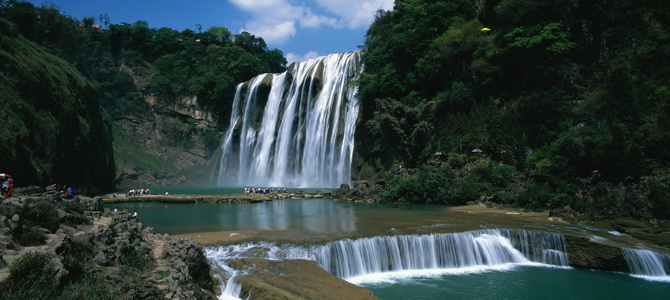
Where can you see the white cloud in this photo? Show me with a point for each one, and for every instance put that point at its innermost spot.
(292, 57)
(276, 21)
(356, 13)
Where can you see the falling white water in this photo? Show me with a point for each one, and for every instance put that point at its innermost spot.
(490, 248)
(647, 263)
(347, 259)
(295, 128)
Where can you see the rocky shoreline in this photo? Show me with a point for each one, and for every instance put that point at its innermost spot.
(83, 251)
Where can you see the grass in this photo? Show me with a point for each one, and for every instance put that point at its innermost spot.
(639, 229)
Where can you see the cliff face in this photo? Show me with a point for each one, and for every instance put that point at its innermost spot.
(170, 142)
(52, 128)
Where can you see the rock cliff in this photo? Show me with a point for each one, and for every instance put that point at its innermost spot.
(168, 143)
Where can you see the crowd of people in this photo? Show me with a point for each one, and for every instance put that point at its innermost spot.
(64, 191)
(264, 191)
(138, 192)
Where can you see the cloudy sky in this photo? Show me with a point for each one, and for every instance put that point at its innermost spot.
(302, 29)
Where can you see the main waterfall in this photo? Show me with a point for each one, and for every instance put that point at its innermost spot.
(295, 128)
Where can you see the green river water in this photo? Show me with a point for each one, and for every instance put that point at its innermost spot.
(321, 220)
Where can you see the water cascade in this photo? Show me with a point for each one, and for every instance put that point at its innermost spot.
(350, 258)
(295, 128)
(647, 263)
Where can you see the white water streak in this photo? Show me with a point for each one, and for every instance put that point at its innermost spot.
(295, 128)
(647, 264)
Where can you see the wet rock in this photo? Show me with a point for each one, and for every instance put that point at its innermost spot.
(293, 279)
(586, 254)
(189, 266)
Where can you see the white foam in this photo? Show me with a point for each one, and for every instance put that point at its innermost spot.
(652, 278)
(406, 275)
(614, 232)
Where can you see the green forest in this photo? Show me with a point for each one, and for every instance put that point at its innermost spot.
(558, 105)
(536, 104)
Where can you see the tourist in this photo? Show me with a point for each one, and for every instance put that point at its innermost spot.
(116, 210)
(69, 192)
(7, 187)
(134, 214)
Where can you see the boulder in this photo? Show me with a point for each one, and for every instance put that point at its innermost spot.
(586, 254)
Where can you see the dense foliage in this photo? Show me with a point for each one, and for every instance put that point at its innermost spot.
(123, 66)
(127, 61)
(556, 93)
(52, 127)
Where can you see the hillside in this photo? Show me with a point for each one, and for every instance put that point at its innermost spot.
(52, 130)
(537, 104)
(165, 94)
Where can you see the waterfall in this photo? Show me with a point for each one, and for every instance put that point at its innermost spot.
(355, 257)
(647, 262)
(350, 258)
(295, 128)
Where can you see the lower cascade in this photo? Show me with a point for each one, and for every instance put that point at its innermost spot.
(646, 262)
(349, 258)
(295, 128)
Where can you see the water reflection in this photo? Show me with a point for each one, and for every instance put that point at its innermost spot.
(317, 215)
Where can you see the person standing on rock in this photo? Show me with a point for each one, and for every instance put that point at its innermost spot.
(7, 187)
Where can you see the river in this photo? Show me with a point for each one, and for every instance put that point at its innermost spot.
(305, 223)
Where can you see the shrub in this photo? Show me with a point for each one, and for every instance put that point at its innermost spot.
(31, 235)
(135, 257)
(43, 214)
(90, 287)
(72, 206)
(30, 277)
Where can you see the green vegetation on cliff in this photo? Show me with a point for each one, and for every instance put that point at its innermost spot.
(142, 77)
(568, 100)
(52, 128)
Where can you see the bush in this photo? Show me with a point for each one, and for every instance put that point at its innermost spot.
(31, 235)
(429, 186)
(30, 277)
(90, 287)
(43, 214)
(76, 258)
(72, 206)
(135, 257)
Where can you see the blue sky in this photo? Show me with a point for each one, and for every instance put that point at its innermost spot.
(302, 29)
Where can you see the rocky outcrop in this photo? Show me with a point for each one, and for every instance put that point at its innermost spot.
(81, 238)
(363, 191)
(292, 279)
(586, 254)
(167, 145)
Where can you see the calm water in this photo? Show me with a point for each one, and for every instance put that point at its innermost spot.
(522, 283)
(315, 215)
(338, 220)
